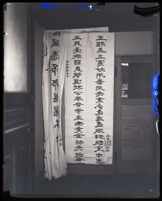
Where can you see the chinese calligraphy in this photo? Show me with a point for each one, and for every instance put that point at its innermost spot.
(99, 88)
(77, 90)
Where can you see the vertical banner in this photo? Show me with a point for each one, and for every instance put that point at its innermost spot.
(59, 70)
(89, 98)
(52, 86)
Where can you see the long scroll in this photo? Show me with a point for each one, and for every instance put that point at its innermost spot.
(55, 67)
(89, 98)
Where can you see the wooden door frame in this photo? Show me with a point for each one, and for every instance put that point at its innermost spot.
(16, 100)
(31, 89)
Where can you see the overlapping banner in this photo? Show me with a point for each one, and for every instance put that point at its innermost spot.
(89, 98)
(81, 61)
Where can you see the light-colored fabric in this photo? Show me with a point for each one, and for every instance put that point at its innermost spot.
(52, 87)
(89, 98)
(85, 30)
(53, 76)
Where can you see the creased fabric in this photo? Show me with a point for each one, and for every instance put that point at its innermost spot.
(52, 87)
(55, 54)
(89, 98)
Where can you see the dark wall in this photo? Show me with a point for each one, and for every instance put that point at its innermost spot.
(117, 16)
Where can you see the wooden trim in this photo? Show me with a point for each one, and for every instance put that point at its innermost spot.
(135, 101)
(14, 110)
(14, 117)
(31, 76)
(117, 112)
(155, 136)
(137, 58)
(6, 157)
(16, 128)
(114, 113)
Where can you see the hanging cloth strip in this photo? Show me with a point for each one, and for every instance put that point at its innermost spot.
(89, 98)
(53, 76)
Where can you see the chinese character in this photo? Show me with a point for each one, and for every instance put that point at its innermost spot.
(99, 161)
(77, 81)
(55, 83)
(78, 147)
(99, 148)
(99, 81)
(78, 117)
(77, 62)
(99, 118)
(99, 136)
(100, 57)
(78, 98)
(99, 100)
(57, 33)
(77, 68)
(56, 111)
(55, 42)
(100, 69)
(79, 142)
(54, 68)
(99, 124)
(99, 155)
(99, 112)
(77, 87)
(77, 50)
(77, 43)
(55, 55)
(100, 50)
(99, 88)
(55, 98)
(100, 37)
(99, 93)
(78, 110)
(77, 75)
(78, 135)
(99, 106)
(57, 123)
(79, 123)
(99, 130)
(99, 75)
(78, 129)
(100, 44)
(78, 93)
(78, 56)
(100, 63)
(99, 142)
(77, 38)
(78, 104)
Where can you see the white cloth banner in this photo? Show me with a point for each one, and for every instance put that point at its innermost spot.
(52, 87)
(53, 76)
(89, 98)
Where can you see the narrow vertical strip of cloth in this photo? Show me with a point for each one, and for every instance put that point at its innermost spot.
(55, 160)
(45, 92)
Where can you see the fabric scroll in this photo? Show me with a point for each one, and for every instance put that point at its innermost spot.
(89, 98)
(55, 59)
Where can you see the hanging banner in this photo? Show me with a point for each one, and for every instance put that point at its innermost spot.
(55, 67)
(89, 98)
